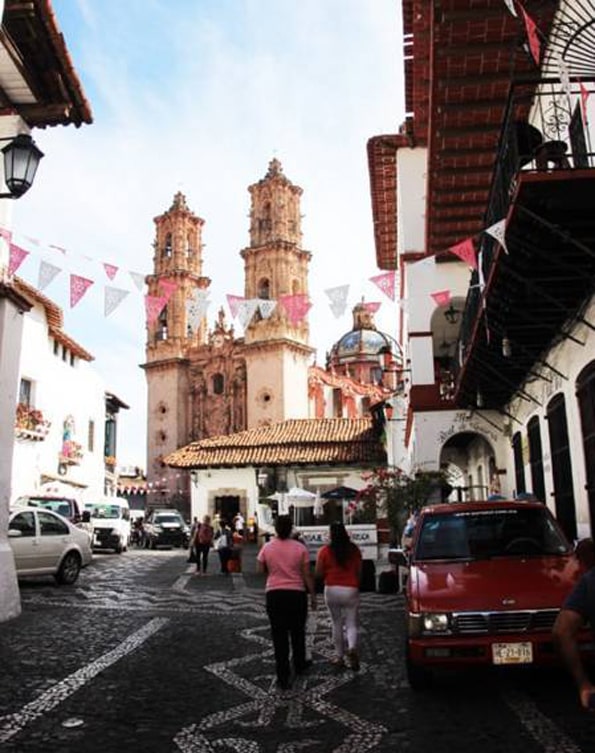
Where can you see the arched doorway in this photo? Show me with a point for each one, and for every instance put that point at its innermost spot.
(469, 461)
(585, 393)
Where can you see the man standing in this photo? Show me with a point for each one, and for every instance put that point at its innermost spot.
(576, 612)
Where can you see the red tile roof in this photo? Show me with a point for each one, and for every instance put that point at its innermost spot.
(326, 441)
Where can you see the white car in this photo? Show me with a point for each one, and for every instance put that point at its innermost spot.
(44, 543)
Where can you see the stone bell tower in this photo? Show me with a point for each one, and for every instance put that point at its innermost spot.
(277, 349)
(177, 275)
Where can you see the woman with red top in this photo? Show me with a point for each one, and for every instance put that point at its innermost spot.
(339, 565)
(287, 565)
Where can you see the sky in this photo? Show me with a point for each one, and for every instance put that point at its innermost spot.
(198, 96)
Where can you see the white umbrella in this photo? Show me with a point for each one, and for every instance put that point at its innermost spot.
(300, 497)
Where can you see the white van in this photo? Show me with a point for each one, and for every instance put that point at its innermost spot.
(110, 518)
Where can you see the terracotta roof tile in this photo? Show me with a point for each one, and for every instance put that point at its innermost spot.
(326, 441)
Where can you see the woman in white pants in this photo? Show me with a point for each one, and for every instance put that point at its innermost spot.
(339, 564)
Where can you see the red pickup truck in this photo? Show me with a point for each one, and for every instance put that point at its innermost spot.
(486, 581)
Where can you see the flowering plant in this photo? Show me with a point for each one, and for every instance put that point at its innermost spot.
(110, 460)
(72, 450)
(30, 419)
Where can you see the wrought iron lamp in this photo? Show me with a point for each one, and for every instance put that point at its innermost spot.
(21, 159)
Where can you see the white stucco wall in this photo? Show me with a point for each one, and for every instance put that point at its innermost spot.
(205, 485)
(411, 199)
(59, 389)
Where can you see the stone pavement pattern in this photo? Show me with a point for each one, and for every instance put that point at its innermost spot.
(142, 655)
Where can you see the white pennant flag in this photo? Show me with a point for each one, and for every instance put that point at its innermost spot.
(47, 272)
(338, 299)
(510, 6)
(564, 72)
(498, 231)
(138, 280)
(246, 310)
(196, 310)
(266, 307)
(113, 298)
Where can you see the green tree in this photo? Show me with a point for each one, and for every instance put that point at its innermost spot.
(394, 495)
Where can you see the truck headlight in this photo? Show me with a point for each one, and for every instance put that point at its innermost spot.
(435, 622)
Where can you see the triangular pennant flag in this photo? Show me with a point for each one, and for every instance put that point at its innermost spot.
(112, 299)
(338, 298)
(338, 309)
(296, 307)
(6, 234)
(441, 297)
(386, 283)
(246, 309)
(196, 309)
(167, 288)
(138, 279)
(233, 301)
(466, 252)
(17, 256)
(110, 270)
(154, 305)
(266, 307)
(78, 287)
(564, 73)
(510, 6)
(498, 231)
(47, 272)
(584, 97)
(532, 36)
(372, 306)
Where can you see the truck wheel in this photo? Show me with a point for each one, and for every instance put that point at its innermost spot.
(419, 678)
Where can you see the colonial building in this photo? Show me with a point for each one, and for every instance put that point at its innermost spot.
(484, 202)
(204, 383)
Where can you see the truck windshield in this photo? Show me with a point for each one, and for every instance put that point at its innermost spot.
(113, 512)
(481, 534)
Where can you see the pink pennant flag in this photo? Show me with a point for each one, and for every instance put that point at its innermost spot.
(154, 305)
(532, 36)
(466, 252)
(233, 301)
(296, 307)
(110, 270)
(584, 97)
(372, 306)
(441, 297)
(17, 256)
(78, 288)
(386, 283)
(6, 234)
(167, 288)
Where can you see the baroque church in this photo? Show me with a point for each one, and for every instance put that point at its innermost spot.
(208, 382)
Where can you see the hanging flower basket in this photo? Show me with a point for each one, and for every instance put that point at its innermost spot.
(72, 452)
(30, 424)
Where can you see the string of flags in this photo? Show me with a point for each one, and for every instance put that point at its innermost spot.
(296, 306)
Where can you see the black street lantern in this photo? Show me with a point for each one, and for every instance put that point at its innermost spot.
(21, 158)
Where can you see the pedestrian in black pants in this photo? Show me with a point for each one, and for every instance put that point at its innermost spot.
(287, 564)
(203, 541)
(224, 547)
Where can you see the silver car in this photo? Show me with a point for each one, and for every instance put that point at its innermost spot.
(44, 543)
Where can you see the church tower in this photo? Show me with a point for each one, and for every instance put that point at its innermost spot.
(177, 275)
(277, 349)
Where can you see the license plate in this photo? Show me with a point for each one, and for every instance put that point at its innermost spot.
(512, 653)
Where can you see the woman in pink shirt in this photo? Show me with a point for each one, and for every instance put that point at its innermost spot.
(339, 565)
(287, 565)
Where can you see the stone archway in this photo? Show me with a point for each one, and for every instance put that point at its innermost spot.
(469, 460)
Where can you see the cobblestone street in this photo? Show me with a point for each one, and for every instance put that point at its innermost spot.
(142, 655)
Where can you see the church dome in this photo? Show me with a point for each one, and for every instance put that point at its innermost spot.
(365, 344)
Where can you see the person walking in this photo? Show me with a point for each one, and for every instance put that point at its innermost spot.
(203, 541)
(286, 564)
(338, 565)
(224, 547)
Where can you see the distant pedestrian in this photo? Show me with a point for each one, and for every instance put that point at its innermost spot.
(339, 565)
(286, 563)
(239, 524)
(203, 541)
(224, 546)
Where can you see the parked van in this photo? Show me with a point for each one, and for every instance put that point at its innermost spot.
(110, 518)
